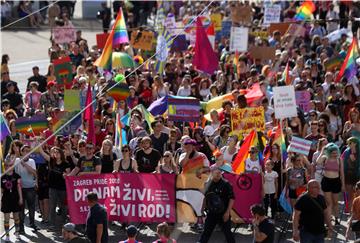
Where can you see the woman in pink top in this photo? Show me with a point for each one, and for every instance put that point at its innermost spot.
(32, 99)
(333, 181)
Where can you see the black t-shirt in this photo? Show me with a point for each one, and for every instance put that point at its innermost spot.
(267, 227)
(15, 99)
(159, 143)
(147, 163)
(9, 187)
(222, 188)
(97, 215)
(107, 164)
(312, 213)
(41, 80)
(78, 240)
(43, 175)
(88, 165)
(56, 179)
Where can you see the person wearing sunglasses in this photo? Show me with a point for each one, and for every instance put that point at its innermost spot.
(127, 164)
(252, 164)
(89, 163)
(167, 164)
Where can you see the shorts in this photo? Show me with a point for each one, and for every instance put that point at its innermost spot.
(10, 205)
(332, 185)
(43, 193)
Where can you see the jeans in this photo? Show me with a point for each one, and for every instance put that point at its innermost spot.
(307, 237)
(57, 198)
(211, 221)
(29, 196)
(269, 200)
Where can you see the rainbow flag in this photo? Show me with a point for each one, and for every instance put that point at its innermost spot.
(120, 134)
(333, 63)
(348, 67)
(305, 11)
(5, 131)
(238, 164)
(31, 125)
(164, 42)
(120, 31)
(115, 37)
(63, 117)
(191, 26)
(236, 60)
(286, 76)
(279, 139)
(149, 118)
(119, 92)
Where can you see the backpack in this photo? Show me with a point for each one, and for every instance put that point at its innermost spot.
(214, 202)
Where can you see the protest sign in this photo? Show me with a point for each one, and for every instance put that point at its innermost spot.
(239, 39)
(189, 196)
(62, 117)
(64, 34)
(31, 125)
(262, 52)
(296, 29)
(101, 40)
(299, 145)
(282, 27)
(261, 34)
(272, 14)
(216, 20)
(127, 197)
(170, 24)
(335, 35)
(284, 102)
(63, 70)
(241, 14)
(142, 40)
(303, 100)
(183, 109)
(71, 100)
(243, 121)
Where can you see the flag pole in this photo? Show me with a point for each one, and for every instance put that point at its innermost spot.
(281, 155)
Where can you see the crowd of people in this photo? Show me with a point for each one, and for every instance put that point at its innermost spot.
(313, 183)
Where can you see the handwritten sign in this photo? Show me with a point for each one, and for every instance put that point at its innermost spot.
(142, 40)
(303, 100)
(272, 14)
(239, 39)
(243, 121)
(170, 24)
(64, 34)
(284, 102)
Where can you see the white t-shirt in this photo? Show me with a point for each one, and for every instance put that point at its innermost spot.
(184, 91)
(28, 180)
(252, 166)
(227, 156)
(269, 182)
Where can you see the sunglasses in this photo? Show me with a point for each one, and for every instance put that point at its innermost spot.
(5, 73)
(10, 117)
(167, 156)
(321, 125)
(125, 150)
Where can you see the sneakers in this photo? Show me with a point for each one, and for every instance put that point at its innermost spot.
(34, 227)
(22, 231)
(17, 235)
(7, 238)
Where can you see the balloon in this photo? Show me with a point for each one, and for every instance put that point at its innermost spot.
(119, 77)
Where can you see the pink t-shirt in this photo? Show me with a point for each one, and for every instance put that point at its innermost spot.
(32, 100)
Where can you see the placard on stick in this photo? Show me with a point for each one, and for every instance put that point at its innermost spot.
(239, 39)
(142, 40)
(284, 102)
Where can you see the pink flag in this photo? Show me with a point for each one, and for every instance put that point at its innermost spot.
(205, 59)
(254, 94)
(211, 34)
(89, 116)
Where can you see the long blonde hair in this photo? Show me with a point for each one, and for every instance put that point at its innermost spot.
(107, 141)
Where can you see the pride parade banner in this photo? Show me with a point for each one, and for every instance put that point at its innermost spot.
(151, 197)
(127, 197)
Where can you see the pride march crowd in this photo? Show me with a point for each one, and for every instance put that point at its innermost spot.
(220, 113)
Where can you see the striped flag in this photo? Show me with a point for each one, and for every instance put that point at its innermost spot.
(300, 145)
(286, 75)
(160, 15)
(164, 42)
(120, 134)
(349, 67)
(238, 164)
(5, 131)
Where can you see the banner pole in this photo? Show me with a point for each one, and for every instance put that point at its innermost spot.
(281, 155)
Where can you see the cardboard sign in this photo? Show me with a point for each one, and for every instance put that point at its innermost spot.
(64, 34)
(303, 100)
(262, 52)
(284, 102)
(243, 121)
(300, 145)
(239, 39)
(63, 70)
(241, 14)
(142, 40)
(296, 29)
(261, 34)
(170, 24)
(216, 20)
(101, 40)
(272, 14)
(71, 100)
(282, 27)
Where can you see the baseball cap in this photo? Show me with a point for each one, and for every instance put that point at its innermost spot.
(50, 84)
(70, 227)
